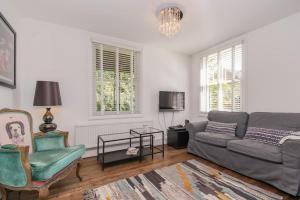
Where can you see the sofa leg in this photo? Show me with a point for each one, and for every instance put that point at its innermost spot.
(77, 171)
(43, 193)
(3, 193)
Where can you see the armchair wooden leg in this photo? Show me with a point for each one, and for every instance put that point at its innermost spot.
(3, 193)
(19, 195)
(77, 171)
(43, 193)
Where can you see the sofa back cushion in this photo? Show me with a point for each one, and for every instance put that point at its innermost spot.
(279, 121)
(218, 127)
(265, 135)
(241, 118)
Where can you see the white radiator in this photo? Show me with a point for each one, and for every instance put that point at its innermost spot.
(87, 134)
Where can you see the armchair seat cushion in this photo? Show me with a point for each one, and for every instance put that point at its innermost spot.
(217, 139)
(46, 164)
(256, 149)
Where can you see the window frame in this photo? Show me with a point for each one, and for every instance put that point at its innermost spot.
(98, 115)
(216, 50)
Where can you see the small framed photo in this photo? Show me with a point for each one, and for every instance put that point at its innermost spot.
(7, 54)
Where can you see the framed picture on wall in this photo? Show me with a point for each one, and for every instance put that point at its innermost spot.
(7, 54)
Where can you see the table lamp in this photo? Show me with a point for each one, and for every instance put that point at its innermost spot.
(47, 94)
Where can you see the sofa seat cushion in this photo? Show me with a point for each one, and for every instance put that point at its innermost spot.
(256, 149)
(217, 139)
(45, 164)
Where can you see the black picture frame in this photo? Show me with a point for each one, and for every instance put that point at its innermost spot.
(8, 47)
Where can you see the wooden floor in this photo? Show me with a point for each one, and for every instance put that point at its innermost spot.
(93, 176)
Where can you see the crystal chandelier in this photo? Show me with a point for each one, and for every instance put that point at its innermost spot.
(170, 18)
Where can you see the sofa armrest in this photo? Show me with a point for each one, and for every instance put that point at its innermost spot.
(15, 170)
(290, 153)
(195, 127)
(50, 140)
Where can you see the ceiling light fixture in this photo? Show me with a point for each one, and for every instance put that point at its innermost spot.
(170, 18)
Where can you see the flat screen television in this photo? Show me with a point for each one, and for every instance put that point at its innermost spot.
(171, 101)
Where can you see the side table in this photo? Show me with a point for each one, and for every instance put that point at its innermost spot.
(178, 138)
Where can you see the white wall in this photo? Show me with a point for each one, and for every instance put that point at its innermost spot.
(7, 95)
(166, 71)
(272, 68)
(63, 54)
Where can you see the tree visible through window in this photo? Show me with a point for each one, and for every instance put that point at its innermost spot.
(115, 79)
(220, 80)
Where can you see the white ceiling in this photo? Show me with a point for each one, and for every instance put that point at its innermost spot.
(205, 22)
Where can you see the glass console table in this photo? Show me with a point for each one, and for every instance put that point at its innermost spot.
(146, 132)
(137, 138)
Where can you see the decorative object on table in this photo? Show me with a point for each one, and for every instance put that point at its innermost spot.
(7, 54)
(178, 137)
(187, 180)
(132, 151)
(51, 158)
(47, 94)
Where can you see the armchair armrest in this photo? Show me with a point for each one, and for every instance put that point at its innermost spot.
(50, 140)
(15, 170)
(290, 153)
(195, 127)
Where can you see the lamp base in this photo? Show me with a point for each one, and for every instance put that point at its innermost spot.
(48, 125)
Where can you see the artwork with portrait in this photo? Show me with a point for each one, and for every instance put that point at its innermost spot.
(7, 54)
(15, 129)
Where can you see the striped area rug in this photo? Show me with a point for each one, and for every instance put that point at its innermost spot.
(183, 181)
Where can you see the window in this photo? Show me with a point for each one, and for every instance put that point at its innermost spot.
(115, 80)
(220, 80)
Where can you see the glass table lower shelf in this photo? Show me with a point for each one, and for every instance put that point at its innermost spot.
(120, 155)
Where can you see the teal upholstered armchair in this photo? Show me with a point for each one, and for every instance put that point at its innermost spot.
(31, 161)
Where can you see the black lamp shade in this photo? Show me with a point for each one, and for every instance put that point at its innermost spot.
(47, 94)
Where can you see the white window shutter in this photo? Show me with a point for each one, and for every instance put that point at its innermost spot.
(114, 79)
(220, 80)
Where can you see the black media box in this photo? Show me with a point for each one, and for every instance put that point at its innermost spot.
(178, 137)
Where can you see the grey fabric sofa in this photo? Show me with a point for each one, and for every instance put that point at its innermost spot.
(277, 165)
